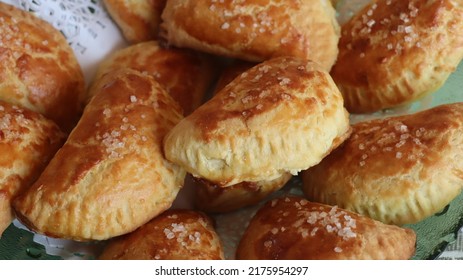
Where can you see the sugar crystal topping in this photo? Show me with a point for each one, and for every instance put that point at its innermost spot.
(181, 234)
(8, 36)
(395, 24)
(7, 121)
(390, 137)
(335, 221)
(112, 143)
(235, 15)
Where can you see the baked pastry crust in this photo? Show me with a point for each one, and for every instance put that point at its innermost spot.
(185, 74)
(173, 235)
(398, 170)
(6, 214)
(294, 228)
(38, 69)
(401, 51)
(230, 72)
(138, 19)
(113, 176)
(283, 115)
(254, 30)
(212, 198)
(27, 143)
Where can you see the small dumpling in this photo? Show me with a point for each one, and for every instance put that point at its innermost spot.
(397, 170)
(38, 68)
(212, 198)
(393, 52)
(111, 176)
(292, 228)
(28, 141)
(173, 235)
(254, 30)
(185, 74)
(283, 115)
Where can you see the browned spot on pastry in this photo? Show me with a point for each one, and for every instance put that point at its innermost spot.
(185, 74)
(257, 91)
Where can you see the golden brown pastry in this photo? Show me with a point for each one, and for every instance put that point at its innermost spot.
(110, 177)
(254, 30)
(173, 235)
(230, 72)
(213, 198)
(398, 170)
(6, 214)
(393, 52)
(185, 74)
(27, 143)
(210, 197)
(290, 228)
(38, 69)
(138, 19)
(283, 115)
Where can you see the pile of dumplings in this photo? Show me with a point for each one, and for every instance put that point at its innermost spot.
(240, 96)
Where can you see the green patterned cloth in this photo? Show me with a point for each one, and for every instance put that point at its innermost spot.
(455, 250)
